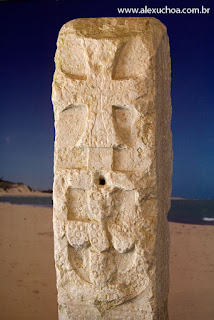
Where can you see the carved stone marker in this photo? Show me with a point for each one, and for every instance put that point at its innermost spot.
(113, 166)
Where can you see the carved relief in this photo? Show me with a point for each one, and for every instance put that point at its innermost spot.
(132, 60)
(124, 121)
(73, 61)
(102, 221)
(102, 233)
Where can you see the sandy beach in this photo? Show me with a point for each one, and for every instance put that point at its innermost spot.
(27, 273)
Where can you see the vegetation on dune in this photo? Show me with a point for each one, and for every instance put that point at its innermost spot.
(5, 185)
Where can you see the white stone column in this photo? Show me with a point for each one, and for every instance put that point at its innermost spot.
(112, 166)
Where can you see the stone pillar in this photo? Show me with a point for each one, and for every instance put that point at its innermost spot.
(112, 166)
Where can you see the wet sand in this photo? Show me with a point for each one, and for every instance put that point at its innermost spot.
(27, 274)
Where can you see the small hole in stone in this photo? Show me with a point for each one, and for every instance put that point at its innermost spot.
(102, 181)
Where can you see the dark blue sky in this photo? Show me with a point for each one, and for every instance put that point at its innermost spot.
(29, 31)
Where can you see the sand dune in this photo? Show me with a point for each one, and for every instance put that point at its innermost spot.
(9, 188)
(17, 192)
(27, 273)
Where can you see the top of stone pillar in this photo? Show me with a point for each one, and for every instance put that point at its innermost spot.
(151, 29)
(98, 28)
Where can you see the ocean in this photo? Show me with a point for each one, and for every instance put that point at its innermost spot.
(182, 211)
(43, 201)
(192, 211)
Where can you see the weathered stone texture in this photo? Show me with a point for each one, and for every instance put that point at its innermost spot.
(113, 165)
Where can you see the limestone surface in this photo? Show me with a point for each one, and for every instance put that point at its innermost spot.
(112, 166)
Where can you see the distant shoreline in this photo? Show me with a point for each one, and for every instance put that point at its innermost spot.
(29, 194)
(50, 194)
(197, 212)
